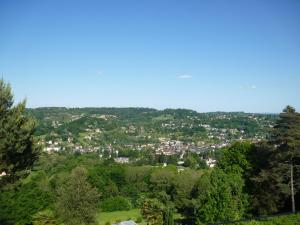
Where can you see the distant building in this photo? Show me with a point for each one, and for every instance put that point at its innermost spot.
(130, 222)
(211, 162)
(52, 149)
(122, 160)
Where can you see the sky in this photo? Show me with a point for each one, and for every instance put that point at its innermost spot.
(206, 55)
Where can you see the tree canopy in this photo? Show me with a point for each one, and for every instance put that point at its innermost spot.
(18, 150)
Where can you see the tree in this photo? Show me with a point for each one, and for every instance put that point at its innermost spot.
(161, 180)
(18, 150)
(152, 210)
(237, 158)
(223, 200)
(77, 200)
(18, 205)
(277, 176)
(190, 161)
(286, 139)
(182, 190)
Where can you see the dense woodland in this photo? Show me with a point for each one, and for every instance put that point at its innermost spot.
(66, 187)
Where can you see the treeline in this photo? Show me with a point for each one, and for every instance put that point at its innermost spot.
(150, 119)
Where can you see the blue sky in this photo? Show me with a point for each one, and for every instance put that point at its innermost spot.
(207, 55)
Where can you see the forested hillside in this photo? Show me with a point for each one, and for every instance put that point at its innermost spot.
(117, 129)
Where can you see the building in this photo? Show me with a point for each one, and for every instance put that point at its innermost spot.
(130, 222)
(211, 162)
(122, 160)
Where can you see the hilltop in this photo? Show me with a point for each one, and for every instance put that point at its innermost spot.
(111, 131)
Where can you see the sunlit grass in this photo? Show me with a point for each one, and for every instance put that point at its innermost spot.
(113, 217)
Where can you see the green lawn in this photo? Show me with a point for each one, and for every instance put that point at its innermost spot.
(113, 217)
(280, 220)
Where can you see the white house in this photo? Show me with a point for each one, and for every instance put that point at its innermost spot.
(210, 162)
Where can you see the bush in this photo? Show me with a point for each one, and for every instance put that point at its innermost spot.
(118, 203)
(139, 220)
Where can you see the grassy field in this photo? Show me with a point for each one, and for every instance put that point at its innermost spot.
(118, 216)
(163, 118)
(280, 220)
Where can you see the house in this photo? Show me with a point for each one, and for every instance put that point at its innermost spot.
(122, 160)
(180, 163)
(130, 222)
(3, 174)
(211, 162)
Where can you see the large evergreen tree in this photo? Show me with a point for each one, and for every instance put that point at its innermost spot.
(286, 139)
(278, 176)
(17, 147)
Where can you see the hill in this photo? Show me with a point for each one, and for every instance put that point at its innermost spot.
(117, 129)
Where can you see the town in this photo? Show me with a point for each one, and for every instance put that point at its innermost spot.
(113, 132)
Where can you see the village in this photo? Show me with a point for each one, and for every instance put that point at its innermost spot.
(109, 137)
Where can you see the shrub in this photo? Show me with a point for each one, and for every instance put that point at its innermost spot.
(139, 220)
(118, 203)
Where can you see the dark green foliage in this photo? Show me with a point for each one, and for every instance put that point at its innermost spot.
(161, 180)
(237, 158)
(77, 201)
(118, 203)
(17, 146)
(278, 178)
(223, 200)
(17, 206)
(191, 162)
(183, 189)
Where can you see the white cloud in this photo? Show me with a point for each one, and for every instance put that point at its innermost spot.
(99, 72)
(185, 76)
(247, 87)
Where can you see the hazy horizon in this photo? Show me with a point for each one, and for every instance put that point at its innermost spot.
(138, 107)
